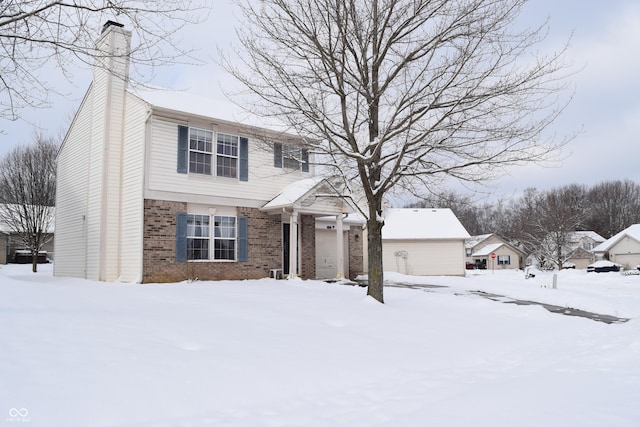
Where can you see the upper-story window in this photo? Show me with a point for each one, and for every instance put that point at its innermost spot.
(227, 156)
(200, 147)
(291, 157)
(196, 153)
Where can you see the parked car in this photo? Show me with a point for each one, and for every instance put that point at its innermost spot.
(603, 267)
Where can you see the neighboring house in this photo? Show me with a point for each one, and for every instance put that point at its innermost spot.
(479, 250)
(423, 242)
(580, 248)
(623, 248)
(10, 242)
(164, 187)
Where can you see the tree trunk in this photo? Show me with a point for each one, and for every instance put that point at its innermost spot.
(34, 261)
(376, 277)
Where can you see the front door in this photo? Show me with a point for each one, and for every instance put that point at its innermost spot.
(286, 240)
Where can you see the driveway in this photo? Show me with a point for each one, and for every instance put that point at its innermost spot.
(567, 311)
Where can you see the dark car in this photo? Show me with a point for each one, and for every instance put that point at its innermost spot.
(603, 267)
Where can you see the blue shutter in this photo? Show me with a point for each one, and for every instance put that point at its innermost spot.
(277, 155)
(243, 240)
(244, 159)
(305, 160)
(183, 149)
(181, 237)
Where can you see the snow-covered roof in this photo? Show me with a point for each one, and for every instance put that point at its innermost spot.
(474, 240)
(352, 218)
(487, 250)
(576, 236)
(631, 231)
(417, 224)
(292, 193)
(185, 102)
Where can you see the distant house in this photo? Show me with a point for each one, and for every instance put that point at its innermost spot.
(479, 250)
(423, 242)
(11, 242)
(580, 248)
(163, 187)
(623, 248)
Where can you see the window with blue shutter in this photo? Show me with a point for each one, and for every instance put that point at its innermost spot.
(181, 237)
(243, 239)
(244, 159)
(305, 160)
(277, 155)
(183, 149)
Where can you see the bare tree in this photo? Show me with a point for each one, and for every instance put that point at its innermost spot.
(27, 193)
(38, 32)
(551, 219)
(614, 206)
(396, 94)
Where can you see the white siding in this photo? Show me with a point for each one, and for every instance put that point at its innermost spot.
(132, 191)
(71, 195)
(424, 258)
(265, 181)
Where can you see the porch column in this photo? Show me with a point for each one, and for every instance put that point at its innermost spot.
(293, 245)
(339, 248)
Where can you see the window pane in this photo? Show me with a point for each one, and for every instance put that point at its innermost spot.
(224, 249)
(225, 227)
(200, 146)
(198, 236)
(227, 156)
(290, 157)
(227, 167)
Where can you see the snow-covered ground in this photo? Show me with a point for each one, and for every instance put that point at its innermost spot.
(308, 353)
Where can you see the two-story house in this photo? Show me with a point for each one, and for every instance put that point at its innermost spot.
(160, 186)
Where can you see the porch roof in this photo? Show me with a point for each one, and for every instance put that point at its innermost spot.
(315, 196)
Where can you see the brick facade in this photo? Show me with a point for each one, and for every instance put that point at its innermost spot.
(264, 242)
(356, 256)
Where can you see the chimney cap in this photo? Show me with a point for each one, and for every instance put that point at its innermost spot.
(110, 23)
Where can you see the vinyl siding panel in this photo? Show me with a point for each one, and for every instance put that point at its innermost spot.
(132, 193)
(71, 195)
(96, 148)
(264, 180)
(424, 258)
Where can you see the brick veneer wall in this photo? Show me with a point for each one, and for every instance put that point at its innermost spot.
(265, 247)
(307, 228)
(159, 258)
(356, 257)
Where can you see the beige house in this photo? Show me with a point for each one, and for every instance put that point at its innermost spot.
(623, 248)
(423, 242)
(581, 244)
(165, 186)
(490, 251)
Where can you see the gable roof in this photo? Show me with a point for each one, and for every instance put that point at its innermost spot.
(487, 250)
(632, 231)
(417, 224)
(577, 236)
(315, 195)
(475, 240)
(189, 103)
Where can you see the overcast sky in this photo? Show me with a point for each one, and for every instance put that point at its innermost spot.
(605, 110)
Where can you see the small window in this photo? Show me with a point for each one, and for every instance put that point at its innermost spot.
(227, 156)
(504, 260)
(291, 157)
(224, 243)
(200, 150)
(197, 237)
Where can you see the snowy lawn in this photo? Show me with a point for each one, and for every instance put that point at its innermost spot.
(308, 353)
